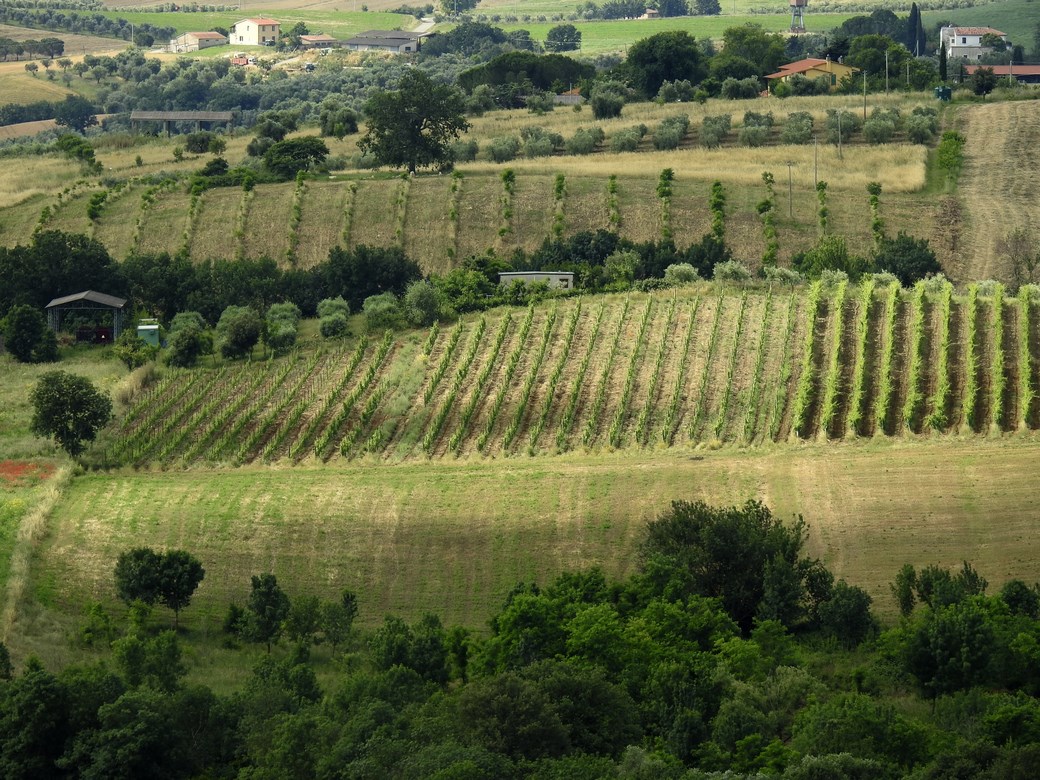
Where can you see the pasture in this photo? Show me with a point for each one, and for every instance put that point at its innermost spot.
(454, 537)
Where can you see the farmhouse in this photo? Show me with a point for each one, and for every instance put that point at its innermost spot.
(194, 41)
(1023, 74)
(812, 68)
(396, 41)
(319, 41)
(560, 280)
(966, 43)
(255, 32)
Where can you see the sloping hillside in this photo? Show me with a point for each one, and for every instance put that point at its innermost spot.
(675, 369)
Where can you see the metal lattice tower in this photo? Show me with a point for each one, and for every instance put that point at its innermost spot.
(798, 15)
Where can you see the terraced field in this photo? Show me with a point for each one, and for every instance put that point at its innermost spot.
(675, 369)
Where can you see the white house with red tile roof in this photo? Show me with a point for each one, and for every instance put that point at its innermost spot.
(193, 41)
(259, 31)
(965, 43)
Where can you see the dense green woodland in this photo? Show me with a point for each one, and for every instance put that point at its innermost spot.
(728, 653)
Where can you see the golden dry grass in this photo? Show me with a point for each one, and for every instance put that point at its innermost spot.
(28, 176)
(899, 167)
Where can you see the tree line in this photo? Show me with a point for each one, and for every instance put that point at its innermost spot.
(727, 653)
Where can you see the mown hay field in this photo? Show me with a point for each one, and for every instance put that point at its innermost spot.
(454, 537)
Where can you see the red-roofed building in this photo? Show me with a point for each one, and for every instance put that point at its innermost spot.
(812, 69)
(255, 32)
(319, 41)
(965, 43)
(1024, 74)
(193, 41)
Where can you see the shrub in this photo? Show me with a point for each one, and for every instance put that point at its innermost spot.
(849, 124)
(333, 326)
(607, 100)
(797, 129)
(626, 140)
(198, 143)
(740, 89)
(329, 306)
(382, 311)
(541, 103)
(421, 305)
(731, 271)
(585, 140)
(681, 273)
(504, 149)
(757, 119)
(878, 130)
(714, 129)
(671, 131)
(919, 129)
(464, 151)
(775, 273)
(753, 135)
(239, 329)
(679, 91)
(539, 142)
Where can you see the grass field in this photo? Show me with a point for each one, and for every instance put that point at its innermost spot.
(455, 537)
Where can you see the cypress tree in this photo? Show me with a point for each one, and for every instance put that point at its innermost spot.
(942, 62)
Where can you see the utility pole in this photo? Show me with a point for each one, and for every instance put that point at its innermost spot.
(839, 135)
(864, 96)
(790, 192)
(815, 162)
(886, 71)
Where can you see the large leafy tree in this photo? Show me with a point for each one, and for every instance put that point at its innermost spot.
(414, 125)
(563, 37)
(667, 56)
(75, 112)
(735, 554)
(288, 157)
(26, 335)
(180, 573)
(70, 409)
(267, 609)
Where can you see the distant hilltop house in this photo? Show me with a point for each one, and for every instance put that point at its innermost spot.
(1023, 74)
(255, 32)
(319, 41)
(194, 41)
(966, 43)
(812, 69)
(396, 41)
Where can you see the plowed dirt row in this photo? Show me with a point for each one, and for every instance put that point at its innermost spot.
(744, 368)
(593, 375)
(846, 364)
(697, 367)
(958, 326)
(984, 351)
(780, 425)
(628, 346)
(774, 332)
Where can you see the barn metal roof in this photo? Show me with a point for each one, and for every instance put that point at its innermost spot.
(92, 297)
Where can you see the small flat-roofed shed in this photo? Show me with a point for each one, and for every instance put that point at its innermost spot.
(87, 301)
(560, 280)
(169, 117)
